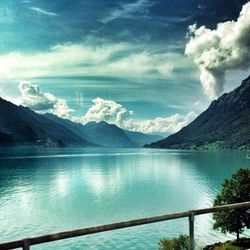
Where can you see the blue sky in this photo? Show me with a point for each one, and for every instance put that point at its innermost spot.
(129, 52)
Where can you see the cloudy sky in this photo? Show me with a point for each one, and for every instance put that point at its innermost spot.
(145, 65)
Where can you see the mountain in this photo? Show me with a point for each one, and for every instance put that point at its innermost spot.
(74, 127)
(101, 133)
(141, 138)
(21, 126)
(106, 134)
(224, 125)
(110, 135)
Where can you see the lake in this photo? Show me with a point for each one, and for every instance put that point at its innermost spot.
(49, 190)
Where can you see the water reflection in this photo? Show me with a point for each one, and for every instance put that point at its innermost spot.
(62, 184)
(101, 183)
(95, 186)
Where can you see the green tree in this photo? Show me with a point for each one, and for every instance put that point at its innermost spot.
(234, 190)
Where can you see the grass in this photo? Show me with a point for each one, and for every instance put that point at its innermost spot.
(231, 245)
(228, 246)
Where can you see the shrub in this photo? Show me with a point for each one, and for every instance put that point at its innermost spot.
(178, 243)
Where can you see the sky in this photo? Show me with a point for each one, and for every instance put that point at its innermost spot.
(145, 65)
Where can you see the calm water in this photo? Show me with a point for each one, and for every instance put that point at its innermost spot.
(52, 190)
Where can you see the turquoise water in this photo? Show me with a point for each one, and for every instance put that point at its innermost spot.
(50, 190)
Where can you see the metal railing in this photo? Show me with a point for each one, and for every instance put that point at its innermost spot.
(26, 243)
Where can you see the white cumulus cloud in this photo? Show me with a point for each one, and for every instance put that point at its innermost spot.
(107, 110)
(217, 51)
(170, 124)
(115, 113)
(35, 99)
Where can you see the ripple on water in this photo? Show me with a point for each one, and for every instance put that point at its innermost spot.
(69, 189)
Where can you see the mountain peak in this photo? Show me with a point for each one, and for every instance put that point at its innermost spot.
(236, 99)
(225, 124)
(21, 126)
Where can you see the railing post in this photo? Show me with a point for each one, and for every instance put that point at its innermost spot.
(26, 244)
(191, 231)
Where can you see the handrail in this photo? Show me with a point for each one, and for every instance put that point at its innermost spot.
(26, 243)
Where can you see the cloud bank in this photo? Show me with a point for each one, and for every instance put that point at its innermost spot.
(217, 51)
(69, 60)
(112, 112)
(171, 124)
(35, 99)
(100, 110)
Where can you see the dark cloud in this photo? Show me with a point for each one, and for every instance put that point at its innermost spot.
(148, 21)
(210, 13)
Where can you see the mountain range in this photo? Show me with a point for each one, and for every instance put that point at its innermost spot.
(224, 125)
(21, 126)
